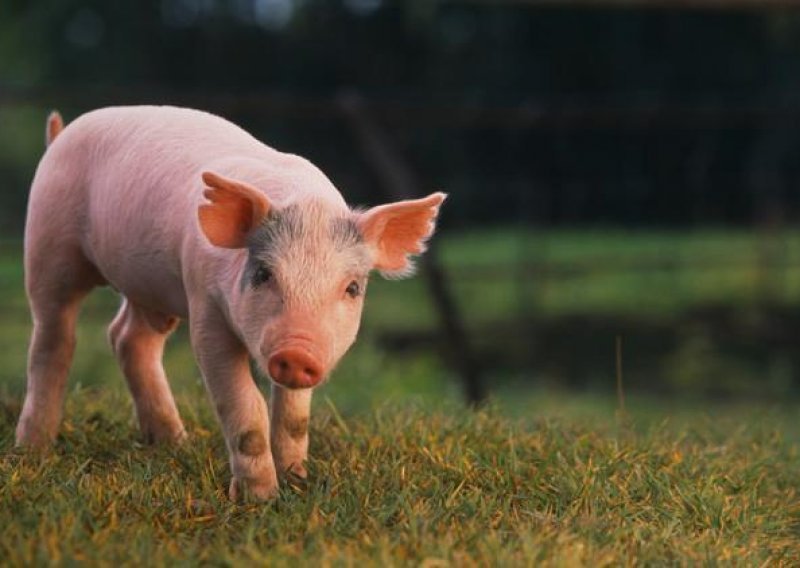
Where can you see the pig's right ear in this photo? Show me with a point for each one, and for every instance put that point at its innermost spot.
(235, 209)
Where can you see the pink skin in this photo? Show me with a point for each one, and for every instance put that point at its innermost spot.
(188, 216)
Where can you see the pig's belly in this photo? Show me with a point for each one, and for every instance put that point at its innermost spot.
(147, 281)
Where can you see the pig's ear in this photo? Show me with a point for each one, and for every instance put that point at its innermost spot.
(235, 209)
(398, 230)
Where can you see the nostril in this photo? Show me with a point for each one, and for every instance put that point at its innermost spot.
(294, 368)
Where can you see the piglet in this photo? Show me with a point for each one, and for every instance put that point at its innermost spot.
(188, 216)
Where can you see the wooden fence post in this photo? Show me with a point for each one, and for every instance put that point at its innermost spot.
(399, 182)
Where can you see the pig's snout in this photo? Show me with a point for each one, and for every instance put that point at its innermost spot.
(294, 368)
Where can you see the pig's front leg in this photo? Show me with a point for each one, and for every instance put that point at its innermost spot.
(290, 412)
(241, 409)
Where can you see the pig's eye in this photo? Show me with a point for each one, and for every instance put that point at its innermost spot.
(261, 275)
(353, 289)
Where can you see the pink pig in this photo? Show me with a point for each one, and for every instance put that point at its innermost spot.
(188, 216)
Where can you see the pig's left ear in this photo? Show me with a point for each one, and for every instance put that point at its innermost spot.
(397, 230)
(235, 209)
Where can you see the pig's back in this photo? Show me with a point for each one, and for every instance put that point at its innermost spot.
(158, 152)
(165, 136)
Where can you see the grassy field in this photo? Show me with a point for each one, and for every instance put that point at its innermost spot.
(400, 472)
(400, 484)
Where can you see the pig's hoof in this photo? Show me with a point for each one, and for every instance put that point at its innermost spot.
(293, 471)
(247, 490)
(161, 429)
(33, 438)
(168, 434)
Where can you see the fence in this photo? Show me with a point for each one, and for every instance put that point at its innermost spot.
(696, 287)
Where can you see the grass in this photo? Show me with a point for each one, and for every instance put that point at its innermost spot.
(400, 473)
(399, 485)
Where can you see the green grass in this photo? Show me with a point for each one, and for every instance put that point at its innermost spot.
(400, 473)
(400, 484)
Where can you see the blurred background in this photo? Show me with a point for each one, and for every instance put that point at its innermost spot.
(622, 177)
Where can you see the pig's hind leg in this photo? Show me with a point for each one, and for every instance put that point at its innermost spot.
(57, 278)
(137, 336)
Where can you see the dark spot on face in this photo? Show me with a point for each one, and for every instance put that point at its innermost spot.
(297, 428)
(252, 443)
(345, 233)
(267, 244)
(281, 226)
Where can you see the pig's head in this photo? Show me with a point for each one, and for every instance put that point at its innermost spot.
(300, 291)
